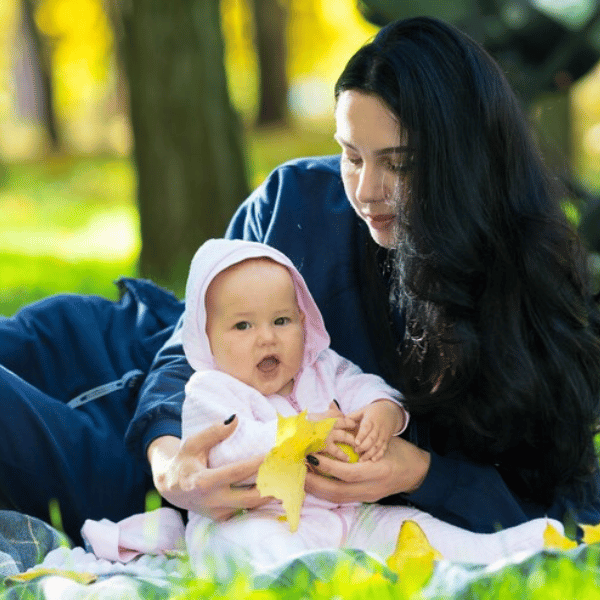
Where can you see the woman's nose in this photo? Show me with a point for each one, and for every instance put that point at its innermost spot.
(371, 185)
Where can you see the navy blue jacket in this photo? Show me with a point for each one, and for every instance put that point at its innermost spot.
(302, 210)
(70, 369)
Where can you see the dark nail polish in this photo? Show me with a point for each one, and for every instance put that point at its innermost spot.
(337, 403)
(313, 460)
(229, 420)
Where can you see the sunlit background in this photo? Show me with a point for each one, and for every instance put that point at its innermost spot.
(67, 181)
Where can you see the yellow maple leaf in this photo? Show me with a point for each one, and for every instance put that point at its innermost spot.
(554, 540)
(283, 471)
(413, 559)
(591, 534)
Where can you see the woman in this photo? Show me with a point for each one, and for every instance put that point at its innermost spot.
(437, 252)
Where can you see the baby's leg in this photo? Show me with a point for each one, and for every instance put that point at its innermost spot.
(376, 530)
(259, 538)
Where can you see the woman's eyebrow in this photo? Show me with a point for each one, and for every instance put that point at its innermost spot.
(382, 151)
(342, 141)
(393, 150)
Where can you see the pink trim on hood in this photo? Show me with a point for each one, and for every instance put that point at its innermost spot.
(217, 255)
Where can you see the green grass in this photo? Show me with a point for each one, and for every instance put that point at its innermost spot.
(25, 279)
(545, 576)
(69, 224)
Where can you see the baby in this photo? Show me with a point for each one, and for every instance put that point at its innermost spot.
(258, 344)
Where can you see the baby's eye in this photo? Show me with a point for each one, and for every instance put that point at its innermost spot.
(242, 325)
(282, 321)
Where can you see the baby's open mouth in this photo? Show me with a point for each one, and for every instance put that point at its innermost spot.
(268, 364)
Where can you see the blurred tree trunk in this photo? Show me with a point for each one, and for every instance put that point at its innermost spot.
(187, 137)
(40, 53)
(270, 18)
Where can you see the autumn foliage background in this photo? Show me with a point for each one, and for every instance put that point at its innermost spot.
(70, 216)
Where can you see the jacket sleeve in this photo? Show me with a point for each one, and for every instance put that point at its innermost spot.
(158, 412)
(476, 497)
(468, 495)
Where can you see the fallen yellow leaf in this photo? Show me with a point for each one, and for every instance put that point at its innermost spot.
(283, 471)
(80, 577)
(412, 542)
(413, 559)
(554, 540)
(591, 534)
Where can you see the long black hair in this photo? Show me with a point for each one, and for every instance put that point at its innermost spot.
(502, 344)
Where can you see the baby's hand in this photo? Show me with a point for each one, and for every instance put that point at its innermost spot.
(343, 430)
(378, 422)
(340, 436)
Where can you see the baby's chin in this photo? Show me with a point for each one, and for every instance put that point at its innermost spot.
(270, 388)
(286, 390)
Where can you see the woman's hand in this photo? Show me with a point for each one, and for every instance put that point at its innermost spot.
(402, 468)
(181, 475)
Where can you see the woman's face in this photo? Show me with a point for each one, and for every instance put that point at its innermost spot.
(375, 161)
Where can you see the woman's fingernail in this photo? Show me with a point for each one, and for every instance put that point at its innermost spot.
(313, 460)
(229, 420)
(337, 403)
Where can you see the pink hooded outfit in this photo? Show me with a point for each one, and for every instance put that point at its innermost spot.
(212, 396)
(260, 537)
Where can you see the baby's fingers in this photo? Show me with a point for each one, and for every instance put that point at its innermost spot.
(376, 451)
(346, 423)
(342, 436)
(365, 432)
(335, 452)
(371, 439)
(369, 453)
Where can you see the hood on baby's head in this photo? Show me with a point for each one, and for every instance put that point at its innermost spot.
(215, 256)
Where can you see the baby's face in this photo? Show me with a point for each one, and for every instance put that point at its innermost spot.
(254, 325)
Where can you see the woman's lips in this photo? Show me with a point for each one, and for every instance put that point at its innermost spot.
(379, 221)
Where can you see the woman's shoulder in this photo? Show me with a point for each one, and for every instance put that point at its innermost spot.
(314, 175)
(313, 164)
(301, 195)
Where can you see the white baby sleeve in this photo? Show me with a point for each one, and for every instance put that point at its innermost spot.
(212, 397)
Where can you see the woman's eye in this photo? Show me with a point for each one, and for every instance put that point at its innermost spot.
(399, 168)
(242, 325)
(402, 168)
(353, 160)
(282, 321)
